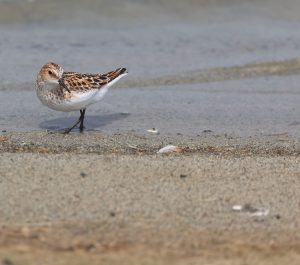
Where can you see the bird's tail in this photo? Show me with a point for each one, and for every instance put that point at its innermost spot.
(116, 73)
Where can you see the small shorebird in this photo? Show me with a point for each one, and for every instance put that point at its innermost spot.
(70, 91)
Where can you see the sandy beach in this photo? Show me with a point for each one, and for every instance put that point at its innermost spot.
(218, 79)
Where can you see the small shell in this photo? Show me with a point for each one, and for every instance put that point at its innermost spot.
(260, 213)
(237, 207)
(153, 130)
(169, 149)
(250, 210)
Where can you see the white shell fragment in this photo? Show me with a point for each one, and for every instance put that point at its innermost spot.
(237, 207)
(251, 211)
(169, 149)
(153, 130)
(260, 213)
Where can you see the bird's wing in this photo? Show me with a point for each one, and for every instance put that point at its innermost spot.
(77, 82)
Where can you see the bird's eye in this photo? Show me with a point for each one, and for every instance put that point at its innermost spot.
(50, 72)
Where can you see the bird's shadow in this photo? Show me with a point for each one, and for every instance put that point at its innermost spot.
(92, 122)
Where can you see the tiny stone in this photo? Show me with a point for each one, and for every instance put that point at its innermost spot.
(112, 214)
(82, 174)
(277, 216)
(182, 176)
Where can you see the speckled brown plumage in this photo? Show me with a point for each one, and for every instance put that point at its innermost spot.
(77, 82)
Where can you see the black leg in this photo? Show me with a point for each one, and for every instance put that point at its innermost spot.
(80, 120)
(81, 127)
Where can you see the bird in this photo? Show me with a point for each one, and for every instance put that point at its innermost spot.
(73, 91)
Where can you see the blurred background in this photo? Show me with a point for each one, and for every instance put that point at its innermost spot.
(149, 37)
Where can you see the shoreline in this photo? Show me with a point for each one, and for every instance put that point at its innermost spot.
(206, 143)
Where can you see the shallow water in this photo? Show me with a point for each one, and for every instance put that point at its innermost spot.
(240, 108)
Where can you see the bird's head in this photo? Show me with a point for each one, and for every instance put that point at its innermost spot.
(50, 73)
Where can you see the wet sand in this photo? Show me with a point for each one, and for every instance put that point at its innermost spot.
(219, 79)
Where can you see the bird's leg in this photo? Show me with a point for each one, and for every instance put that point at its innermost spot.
(81, 127)
(79, 120)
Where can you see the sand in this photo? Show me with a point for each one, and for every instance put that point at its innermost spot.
(160, 208)
(96, 198)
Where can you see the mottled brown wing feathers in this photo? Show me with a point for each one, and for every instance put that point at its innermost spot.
(73, 81)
